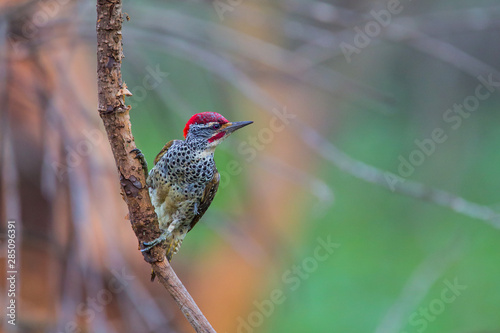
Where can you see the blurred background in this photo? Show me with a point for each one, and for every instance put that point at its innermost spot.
(364, 198)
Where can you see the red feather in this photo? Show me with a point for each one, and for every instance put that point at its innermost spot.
(204, 118)
(217, 136)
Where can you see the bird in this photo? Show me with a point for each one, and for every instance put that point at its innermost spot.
(184, 179)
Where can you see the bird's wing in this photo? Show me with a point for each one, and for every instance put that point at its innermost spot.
(208, 196)
(164, 150)
(153, 177)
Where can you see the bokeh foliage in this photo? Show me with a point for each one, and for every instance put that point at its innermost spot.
(385, 237)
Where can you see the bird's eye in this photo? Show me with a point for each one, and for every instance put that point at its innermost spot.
(216, 126)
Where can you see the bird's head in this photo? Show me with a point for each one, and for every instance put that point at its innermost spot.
(211, 128)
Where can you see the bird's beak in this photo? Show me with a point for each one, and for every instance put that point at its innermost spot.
(231, 127)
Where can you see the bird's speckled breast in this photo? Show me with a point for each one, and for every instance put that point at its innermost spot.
(177, 183)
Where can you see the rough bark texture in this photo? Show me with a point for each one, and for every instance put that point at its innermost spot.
(115, 115)
(116, 119)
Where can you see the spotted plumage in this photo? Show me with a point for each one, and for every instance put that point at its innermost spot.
(184, 179)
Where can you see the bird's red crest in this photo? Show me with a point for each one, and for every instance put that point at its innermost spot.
(204, 118)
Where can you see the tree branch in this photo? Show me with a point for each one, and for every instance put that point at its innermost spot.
(115, 116)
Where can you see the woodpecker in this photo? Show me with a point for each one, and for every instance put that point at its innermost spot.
(184, 179)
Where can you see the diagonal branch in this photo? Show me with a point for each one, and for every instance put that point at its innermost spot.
(115, 116)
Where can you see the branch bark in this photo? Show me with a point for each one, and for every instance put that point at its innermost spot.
(115, 116)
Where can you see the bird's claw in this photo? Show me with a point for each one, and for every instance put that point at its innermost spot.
(154, 242)
(140, 156)
(149, 245)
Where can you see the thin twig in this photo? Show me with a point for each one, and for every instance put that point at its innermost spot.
(116, 119)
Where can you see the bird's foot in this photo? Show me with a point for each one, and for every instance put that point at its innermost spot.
(140, 156)
(149, 245)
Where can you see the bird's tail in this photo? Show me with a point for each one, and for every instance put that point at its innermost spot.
(171, 249)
